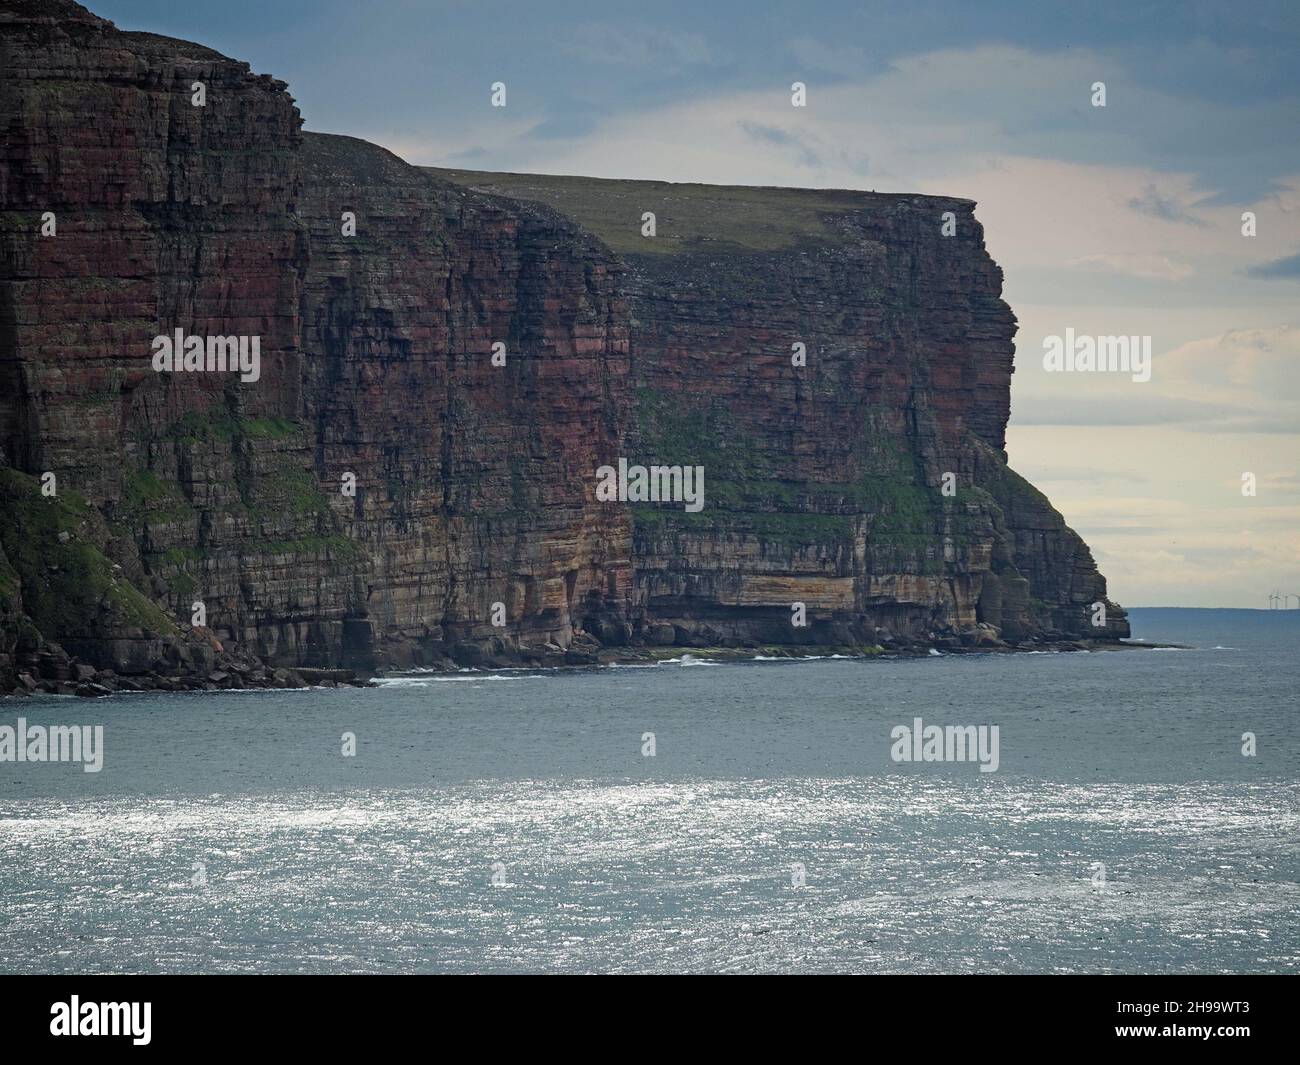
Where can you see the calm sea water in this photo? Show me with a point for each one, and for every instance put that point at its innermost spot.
(770, 832)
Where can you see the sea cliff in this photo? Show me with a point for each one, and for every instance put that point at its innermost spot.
(446, 360)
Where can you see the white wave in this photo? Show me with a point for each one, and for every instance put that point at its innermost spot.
(796, 658)
(691, 660)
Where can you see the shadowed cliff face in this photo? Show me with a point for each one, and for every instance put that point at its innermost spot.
(474, 479)
(474, 483)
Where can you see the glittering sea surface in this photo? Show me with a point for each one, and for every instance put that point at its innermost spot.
(497, 822)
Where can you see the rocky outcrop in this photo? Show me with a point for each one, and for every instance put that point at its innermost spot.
(445, 360)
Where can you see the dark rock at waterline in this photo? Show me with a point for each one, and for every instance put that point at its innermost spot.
(93, 691)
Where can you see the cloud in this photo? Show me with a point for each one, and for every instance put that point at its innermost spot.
(1096, 475)
(767, 133)
(1240, 381)
(784, 139)
(642, 47)
(1156, 204)
(1288, 267)
(1135, 264)
(1258, 369)
(1141, 408)
(1279, 484)
(1201, 555)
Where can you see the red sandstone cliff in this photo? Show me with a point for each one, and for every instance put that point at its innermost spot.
(826, 479)
(474, 482)
(474, 479)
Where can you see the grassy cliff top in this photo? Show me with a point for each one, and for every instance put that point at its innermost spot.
(691, 216)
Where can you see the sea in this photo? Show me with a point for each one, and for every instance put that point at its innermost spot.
(733, 817)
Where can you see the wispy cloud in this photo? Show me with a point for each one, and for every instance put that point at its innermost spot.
(1287, 268)
(784, 139)
(1157, 204)
(1136, 264)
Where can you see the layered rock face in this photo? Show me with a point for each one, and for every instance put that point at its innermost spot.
(128, 212)
(474, 474)
(445, 360)
(381, 484)
(832, 360)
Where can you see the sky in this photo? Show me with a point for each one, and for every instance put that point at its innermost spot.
(1117, 220)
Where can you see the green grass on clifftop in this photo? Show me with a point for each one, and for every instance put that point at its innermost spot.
(687, 216)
